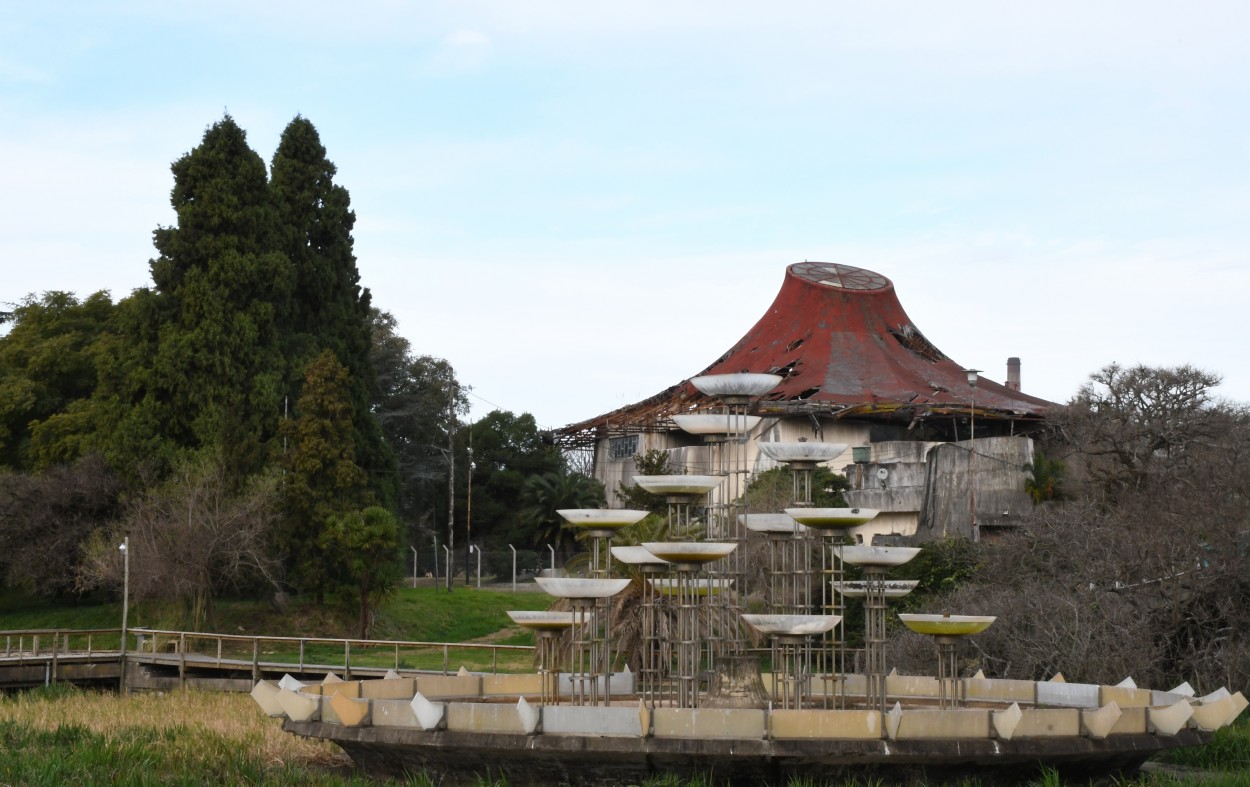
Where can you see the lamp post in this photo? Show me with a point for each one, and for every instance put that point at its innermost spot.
(472, 549)
(414, 566)
(513, 567)
(447, 554)
(124, 548)
(972, 453)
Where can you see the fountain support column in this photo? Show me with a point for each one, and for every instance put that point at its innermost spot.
(874, 635)
(946, 631)
(590, 633)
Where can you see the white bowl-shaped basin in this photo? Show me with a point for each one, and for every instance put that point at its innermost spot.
(832, 518)
(678, 484)
(713, 423)
(601, 518)
(802, 452)
(947, 625)
(792, 625)
(637, 556)
(861, 555)
(700, 586)
(690, 551)
(771, 523)
(541, 620)
(581, 587)
(894, 588)
(738, 384)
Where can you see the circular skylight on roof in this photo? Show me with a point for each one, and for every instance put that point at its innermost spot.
(845, 277)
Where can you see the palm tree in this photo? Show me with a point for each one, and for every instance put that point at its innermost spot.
(545, 495)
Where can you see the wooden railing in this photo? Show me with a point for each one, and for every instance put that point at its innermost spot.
(261, 652)
(303, 653)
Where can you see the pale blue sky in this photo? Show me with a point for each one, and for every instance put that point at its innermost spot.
(579, 205)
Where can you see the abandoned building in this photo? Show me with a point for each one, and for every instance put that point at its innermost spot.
(935, 447)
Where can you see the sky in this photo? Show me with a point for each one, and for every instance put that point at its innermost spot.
(580, 204)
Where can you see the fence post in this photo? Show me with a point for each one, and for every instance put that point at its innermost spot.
(182, 659)
(301, 657)
(256, 658)
(347, 659)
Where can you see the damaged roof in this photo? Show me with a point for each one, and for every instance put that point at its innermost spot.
(845, 347)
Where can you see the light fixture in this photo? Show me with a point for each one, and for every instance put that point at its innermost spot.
(972, 376)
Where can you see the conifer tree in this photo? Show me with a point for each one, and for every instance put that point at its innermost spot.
(210, 363)
(328, 307)
(322, 478)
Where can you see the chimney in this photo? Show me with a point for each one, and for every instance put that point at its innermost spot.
(1013, 374)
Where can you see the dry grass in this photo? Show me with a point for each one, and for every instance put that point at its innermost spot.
(234, 718)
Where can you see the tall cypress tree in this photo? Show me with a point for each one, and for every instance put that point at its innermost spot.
(213, 371)
(328, 308)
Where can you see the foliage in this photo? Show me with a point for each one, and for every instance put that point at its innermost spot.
(322, 479)
(543, 496)
(45, 520)
(190, 538)
(1045, 481)
(367, 544)
(47, 365)
(416, 401)
(773, 490)
(508, 449)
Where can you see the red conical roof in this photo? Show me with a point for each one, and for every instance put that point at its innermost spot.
(845, 346)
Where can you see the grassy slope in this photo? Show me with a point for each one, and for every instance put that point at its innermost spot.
(425, 614)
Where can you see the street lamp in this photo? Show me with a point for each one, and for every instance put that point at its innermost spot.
(414, 567)
(513, 567)
(474, 548)
(972, 454)
(468, 510)
(124, 548)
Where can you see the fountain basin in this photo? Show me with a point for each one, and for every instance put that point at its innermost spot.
(716, 423)
(690, 551)
(601, 518)
(739, 384)
(542, 620)
(637, 556)
(678, 484)
(861, 555)
(771, 523)
(802, 452)
(580, 587)
(832, 518)
(894, 588)
(701, 586)
(947, 625)
(792, 625)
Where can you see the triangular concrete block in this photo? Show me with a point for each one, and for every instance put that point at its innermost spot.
(1099, 721)
(1006, 720)
(429, 714)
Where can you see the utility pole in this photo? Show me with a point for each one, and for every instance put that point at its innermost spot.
(451, 474)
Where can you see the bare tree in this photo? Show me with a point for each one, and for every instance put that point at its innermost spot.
(190, 539)
(1144, 570)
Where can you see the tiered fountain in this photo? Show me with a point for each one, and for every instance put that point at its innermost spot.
(831, 524)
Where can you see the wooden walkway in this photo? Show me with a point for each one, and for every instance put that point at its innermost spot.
(165, 660)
